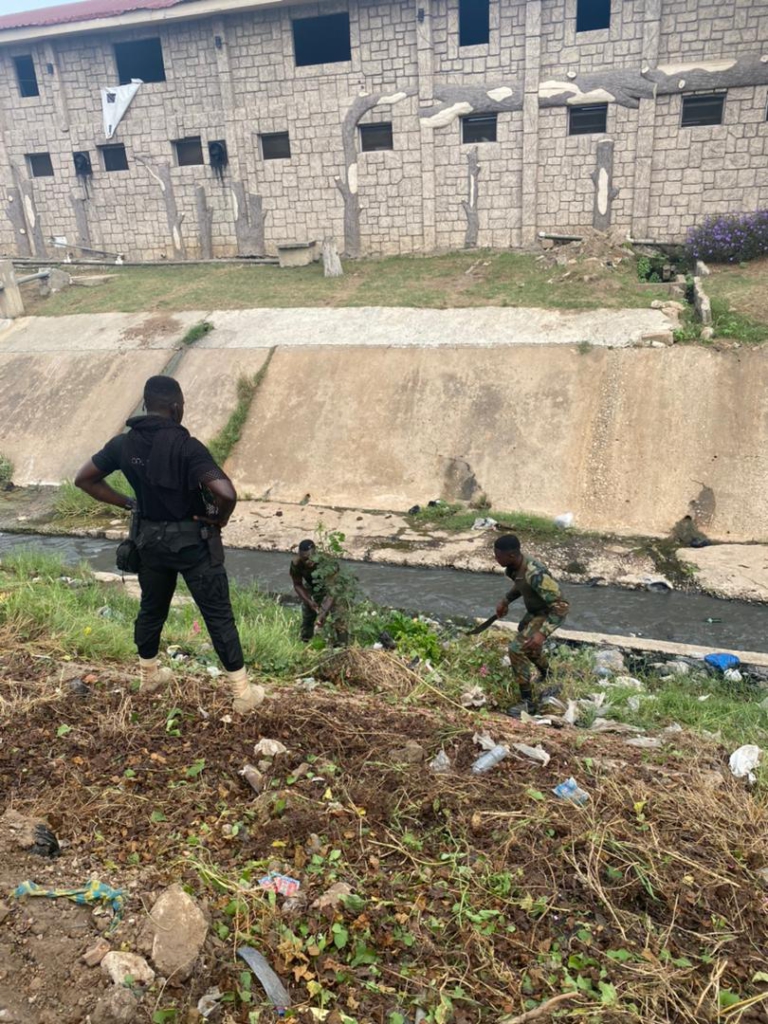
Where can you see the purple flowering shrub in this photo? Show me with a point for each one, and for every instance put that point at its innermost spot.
(730, 237)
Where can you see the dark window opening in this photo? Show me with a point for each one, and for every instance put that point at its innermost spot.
(114, 158)
(141, 58)
(82, 162)
(323, 40)
(592, 15)
(189, 151)
(40, 165)
(276, 146)
(474, 22)
(590, 120)
(217, 154)
(26, 77)
(702, 110)
(374, 137)
(478, 128)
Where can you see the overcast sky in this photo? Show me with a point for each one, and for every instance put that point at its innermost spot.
(12, 6)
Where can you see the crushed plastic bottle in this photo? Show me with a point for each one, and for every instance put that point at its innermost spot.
(270, 982)
(490, 759)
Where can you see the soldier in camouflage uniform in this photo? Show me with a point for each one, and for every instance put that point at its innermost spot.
(545, 610)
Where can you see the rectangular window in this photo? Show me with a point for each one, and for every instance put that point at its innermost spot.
(478, 128)
(590, 120)
(25, 76)
(114, 158)
(141, 58)
(702, 110)
(276, 146)
(474, 22)
(82, 162)
(39, 165)
(189, 151)
(323, 40)
(592, 15)
(375, 136)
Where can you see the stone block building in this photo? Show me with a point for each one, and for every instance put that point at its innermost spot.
(397, 126)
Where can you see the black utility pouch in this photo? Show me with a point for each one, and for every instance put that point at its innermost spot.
(212, 536)
(127, 557)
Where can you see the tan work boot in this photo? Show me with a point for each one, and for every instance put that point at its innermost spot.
(152, 675)
(247, 696)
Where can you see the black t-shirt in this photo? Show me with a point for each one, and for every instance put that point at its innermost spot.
(161, 504)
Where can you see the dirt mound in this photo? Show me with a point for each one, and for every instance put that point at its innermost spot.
(466, 896)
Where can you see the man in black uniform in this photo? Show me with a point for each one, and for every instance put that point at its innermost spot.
(184, 499)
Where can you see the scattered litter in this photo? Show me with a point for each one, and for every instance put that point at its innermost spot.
(733, 675)
(414, 510)
(78, 688)
(309, 683)
(571, 713)
(483, 740)
(644, 742)
(474, 698)
(564, 521)
(629, 683)
(253, 777)
(633, 702)
(440, 763)
(270, 982)
(387, 641)
(269, 748)
(657, 584)
(506, 661)
(570, 790)
(537, 753)
(607, 725)
(722, 661)
(743, 760)
(670, 730)
(337, 893)
(207, 1004)
(213, 671)
(105, 612)
(176, 653)
(703, 697)
(483, 523)
(710, 619)
(490, 759)
(94, 892)
(284, 884)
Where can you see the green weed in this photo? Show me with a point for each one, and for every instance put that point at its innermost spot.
(72, 503)
(226, 439)
(196, 332)
(6, 470)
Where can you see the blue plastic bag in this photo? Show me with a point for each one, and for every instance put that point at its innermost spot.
(721, 662)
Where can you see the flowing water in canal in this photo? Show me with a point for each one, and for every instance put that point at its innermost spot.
(680, 617)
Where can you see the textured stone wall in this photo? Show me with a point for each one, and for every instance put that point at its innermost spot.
(431, 191)
(702, 171)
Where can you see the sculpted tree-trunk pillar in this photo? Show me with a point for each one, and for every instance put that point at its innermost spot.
(470, 206)
(605, 193)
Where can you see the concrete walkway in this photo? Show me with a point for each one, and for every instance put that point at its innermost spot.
(349, 326)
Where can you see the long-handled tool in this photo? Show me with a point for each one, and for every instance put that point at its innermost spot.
(483, 626)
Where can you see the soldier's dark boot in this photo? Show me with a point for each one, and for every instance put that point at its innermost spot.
(527, 704)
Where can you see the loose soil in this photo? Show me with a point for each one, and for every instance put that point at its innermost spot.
(474, 896)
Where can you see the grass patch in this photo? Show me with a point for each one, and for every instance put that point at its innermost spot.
(196, 332)
(480, 278)
(449, 516)
(6, 470)
(72, 503)
(226, 439)
(728, 323)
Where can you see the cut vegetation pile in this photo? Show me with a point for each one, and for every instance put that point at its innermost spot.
(465, 897)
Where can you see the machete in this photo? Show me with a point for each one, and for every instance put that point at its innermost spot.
(483, 626)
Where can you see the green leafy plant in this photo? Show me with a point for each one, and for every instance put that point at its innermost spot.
(6, 470)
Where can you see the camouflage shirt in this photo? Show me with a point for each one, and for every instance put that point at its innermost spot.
(540, 592)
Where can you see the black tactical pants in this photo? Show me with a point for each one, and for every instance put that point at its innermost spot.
(208, 585)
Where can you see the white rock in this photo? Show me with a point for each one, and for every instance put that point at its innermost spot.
(180, 930)
(120, 966)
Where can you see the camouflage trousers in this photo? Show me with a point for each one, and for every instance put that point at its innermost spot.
(524, 665)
